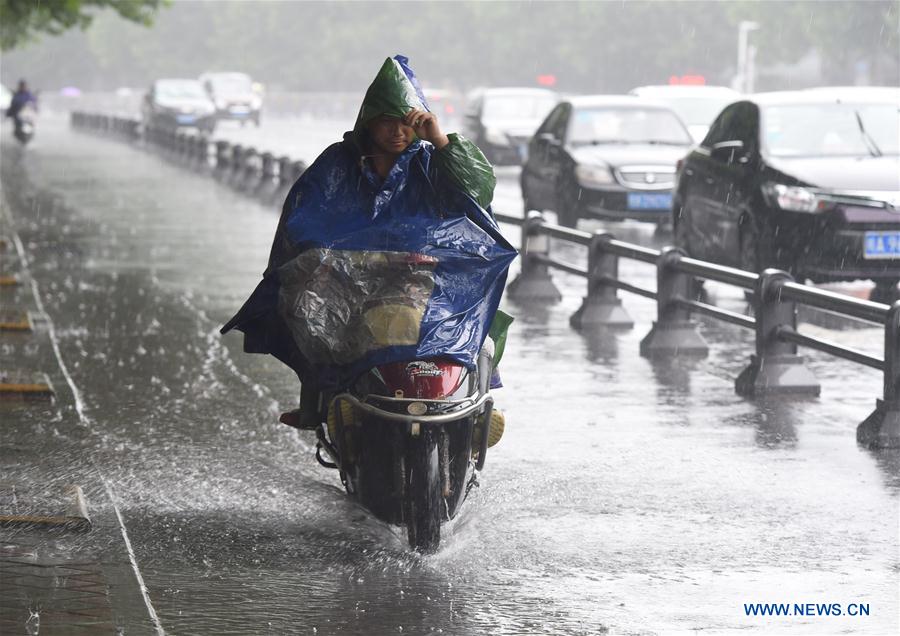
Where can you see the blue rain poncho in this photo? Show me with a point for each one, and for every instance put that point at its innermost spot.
(365, 271)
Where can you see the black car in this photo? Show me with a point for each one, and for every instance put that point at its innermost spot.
(805, 181)
(608, 157)
(500, 121)
(178, 103)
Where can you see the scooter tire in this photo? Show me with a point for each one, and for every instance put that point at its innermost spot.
(424, 501)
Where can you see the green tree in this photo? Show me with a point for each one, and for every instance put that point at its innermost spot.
(22, 20)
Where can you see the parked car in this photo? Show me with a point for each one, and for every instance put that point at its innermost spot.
(234, 96)
(697, 105)
(500, 121)
(177, 103)
(609, 157)
(5, 98)
(805, 181)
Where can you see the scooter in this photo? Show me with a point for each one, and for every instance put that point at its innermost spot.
(24, 124)
(406, 437)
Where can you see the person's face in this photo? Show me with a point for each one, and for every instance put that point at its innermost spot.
(390, 134)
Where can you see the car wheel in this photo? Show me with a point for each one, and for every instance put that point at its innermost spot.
(567, 204)
(885, 292)
(681, 228)
(750, 248)
(681, 233)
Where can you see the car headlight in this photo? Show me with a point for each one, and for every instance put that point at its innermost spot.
(256, 102)
(794, 198)
(221, 104)
(593, 175)
(496, 137)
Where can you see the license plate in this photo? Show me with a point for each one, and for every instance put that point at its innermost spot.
(649, 201)
(882, 245)
(237, 110)
(186, 119)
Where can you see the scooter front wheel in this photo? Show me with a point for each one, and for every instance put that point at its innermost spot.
(424, 500)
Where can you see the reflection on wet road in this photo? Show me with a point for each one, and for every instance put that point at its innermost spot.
(626, 495)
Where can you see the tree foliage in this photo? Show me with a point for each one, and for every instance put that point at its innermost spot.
(22, 20)
(590, 46)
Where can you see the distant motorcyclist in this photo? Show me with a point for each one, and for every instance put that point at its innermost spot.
(20, 99)
(396, 148)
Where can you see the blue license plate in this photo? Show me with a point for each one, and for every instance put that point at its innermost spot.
(649, 200)
(882, 245)
(186, 119)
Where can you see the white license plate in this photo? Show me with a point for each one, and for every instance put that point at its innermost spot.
(239, 110)
(882, 245)
(186, 119)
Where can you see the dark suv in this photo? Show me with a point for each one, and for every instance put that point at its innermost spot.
(804, 181)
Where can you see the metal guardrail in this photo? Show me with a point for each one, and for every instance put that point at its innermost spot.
(254, 172)
(774, 368)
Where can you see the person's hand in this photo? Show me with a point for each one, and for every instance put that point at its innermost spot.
(426, 127)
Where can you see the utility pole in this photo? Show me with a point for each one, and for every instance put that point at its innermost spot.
(743, 80)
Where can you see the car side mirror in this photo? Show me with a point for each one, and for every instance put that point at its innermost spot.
(548, 139)
(730, 152)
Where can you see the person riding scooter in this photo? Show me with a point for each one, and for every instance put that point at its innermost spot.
(396, 162)
(20, 100)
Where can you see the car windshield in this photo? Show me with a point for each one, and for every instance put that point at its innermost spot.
(630, 125)
(518, 106)
(231, 84)
(180, 89)
(697, 110)
(831, 130)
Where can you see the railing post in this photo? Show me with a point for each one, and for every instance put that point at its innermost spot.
(223, 156)
(285, 177)
(247, 171)
(237, 163)
(673, 333)
(776, 367)
(297, 170)
(534, 282)
(882, 428)
(267, 168)
(602, 306)
(182, 139)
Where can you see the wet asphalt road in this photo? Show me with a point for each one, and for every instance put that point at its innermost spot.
(626, 496)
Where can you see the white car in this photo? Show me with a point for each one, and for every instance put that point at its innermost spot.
(5, 98)
(697, 105)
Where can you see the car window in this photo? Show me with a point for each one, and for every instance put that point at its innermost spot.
(231, 84)
(180, 89)
(473, 106)
(551, 123)
(533, 107)
(831, 129)
(738, 122)
(697, 110)
(626, 124)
